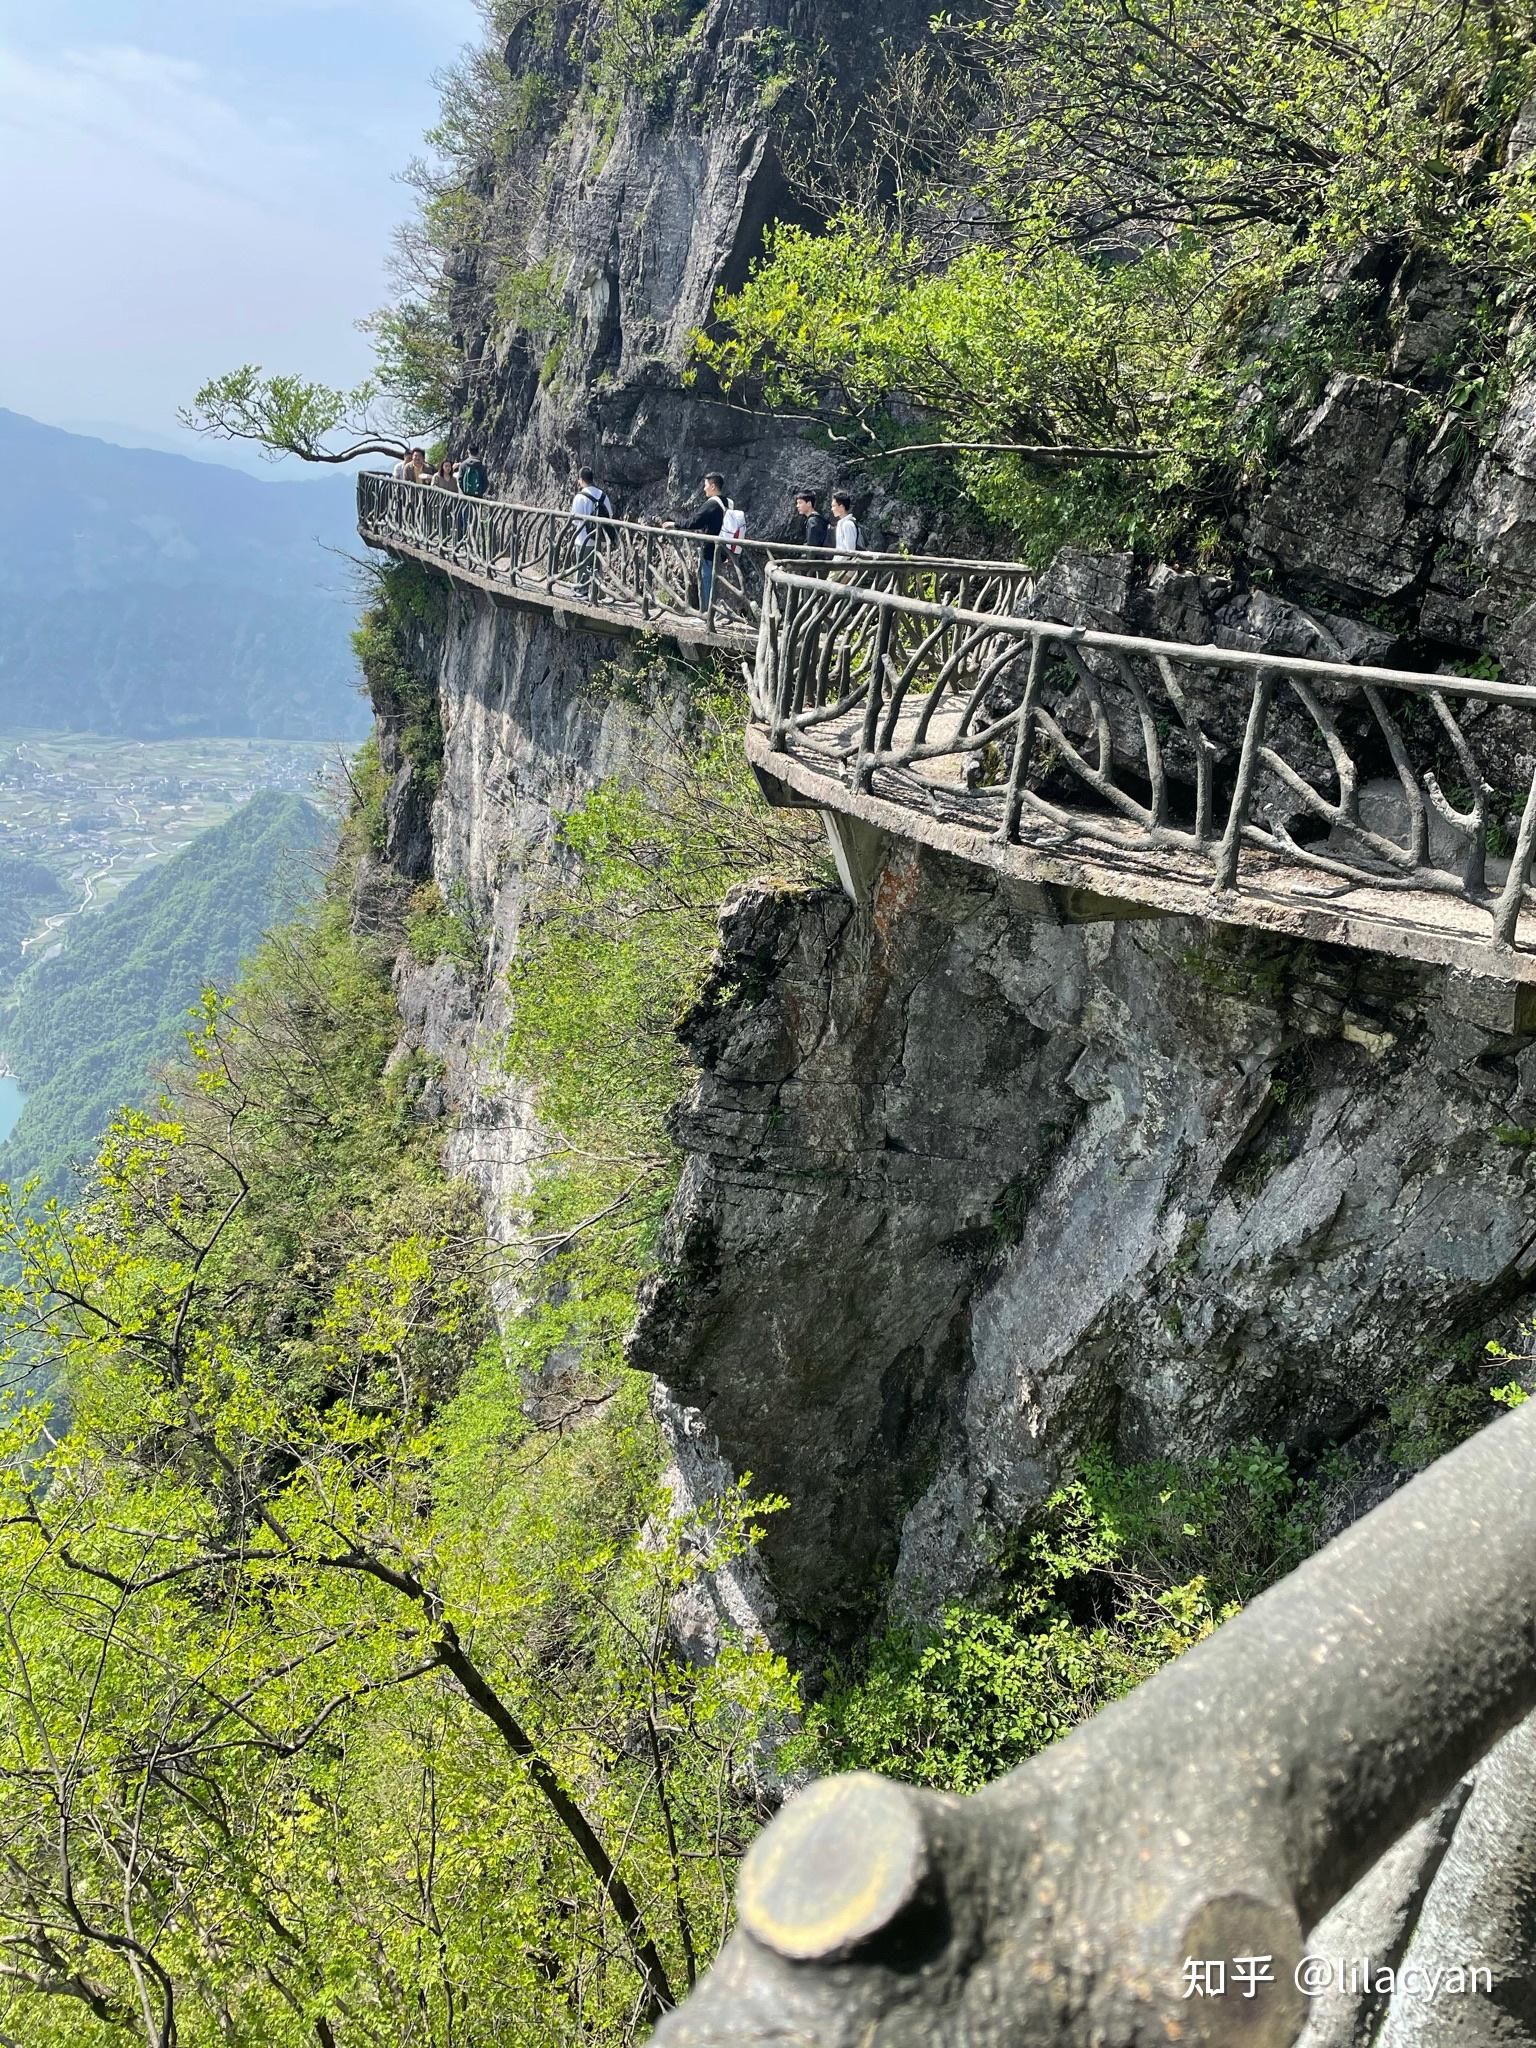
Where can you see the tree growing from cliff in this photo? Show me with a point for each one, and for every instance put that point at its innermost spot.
(284, 415)
(344, 1700)
(1117, 244)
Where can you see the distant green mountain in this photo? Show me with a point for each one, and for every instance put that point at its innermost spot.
(94, 1023)
(28, 891)
(153, 597)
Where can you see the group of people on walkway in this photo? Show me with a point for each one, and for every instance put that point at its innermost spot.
(719, 522)
(467, 475)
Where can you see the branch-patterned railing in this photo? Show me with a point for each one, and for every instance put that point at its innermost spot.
(1032, 733)
(633, 574)
(1168, 1873)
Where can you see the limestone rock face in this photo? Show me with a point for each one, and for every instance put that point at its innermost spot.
(968, 1190)
(1355, 509)
(632, 218)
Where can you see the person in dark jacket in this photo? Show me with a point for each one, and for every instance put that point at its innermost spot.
(817, 532)
(708, 521)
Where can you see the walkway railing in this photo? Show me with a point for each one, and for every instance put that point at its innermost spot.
(1163, 1874)
(1187, 776)
(625, 573)
(1374, 807)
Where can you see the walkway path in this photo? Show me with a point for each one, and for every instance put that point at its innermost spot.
(913, 697)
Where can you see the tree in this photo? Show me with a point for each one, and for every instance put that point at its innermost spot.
(291, 416)
(343, 1699)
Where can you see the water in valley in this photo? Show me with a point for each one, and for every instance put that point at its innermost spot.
(10, 1105)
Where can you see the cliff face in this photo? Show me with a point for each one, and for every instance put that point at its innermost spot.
(629, 219)
(968, 1188)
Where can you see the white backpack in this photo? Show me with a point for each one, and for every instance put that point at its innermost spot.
(733, 527)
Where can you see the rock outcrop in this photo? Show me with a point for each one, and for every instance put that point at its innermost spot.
(968, 1190)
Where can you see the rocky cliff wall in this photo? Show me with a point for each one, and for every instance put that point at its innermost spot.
(968, 1188)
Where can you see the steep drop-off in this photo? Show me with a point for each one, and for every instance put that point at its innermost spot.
(968, 1189)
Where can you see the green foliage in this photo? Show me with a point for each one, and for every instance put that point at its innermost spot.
(417, 359)
(1329, 120)
(436, 930)
(639, 47)
(95, 1022)
(1428, 1417)
(1131, 241)
(346, 1702)
(1122, 1569)
(409, 604)
(531, 302)
(617, 951)
(286, 415)
(28, 892)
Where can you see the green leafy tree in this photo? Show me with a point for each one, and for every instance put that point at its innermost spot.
(285, 415)
(345, 1699)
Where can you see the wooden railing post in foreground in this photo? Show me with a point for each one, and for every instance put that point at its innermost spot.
(1207, 1822)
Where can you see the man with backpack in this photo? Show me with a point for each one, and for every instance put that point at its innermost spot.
(473, 481)
(817, 529)
(849, 539)
(718, 518)
(590, 504)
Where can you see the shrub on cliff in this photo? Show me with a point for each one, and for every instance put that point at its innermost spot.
(1089, 237)
(344, 1703)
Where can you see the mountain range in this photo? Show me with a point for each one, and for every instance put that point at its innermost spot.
(150, 596)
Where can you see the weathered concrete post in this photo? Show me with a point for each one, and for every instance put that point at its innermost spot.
(1204, 1825)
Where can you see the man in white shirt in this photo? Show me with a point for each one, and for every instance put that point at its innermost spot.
(589, 504)
(847, 540)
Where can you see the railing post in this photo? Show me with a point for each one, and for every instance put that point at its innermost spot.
(1247, 771)
(647, 559)
(1506, 922)
(1023, 743)
(864, 774)
(782, 614)
(549, 578)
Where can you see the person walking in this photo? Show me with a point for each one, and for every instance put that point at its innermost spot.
(848, 540)
(590, 504)
(412, 468)
(707, 521)
(816, 531)
(445, 476)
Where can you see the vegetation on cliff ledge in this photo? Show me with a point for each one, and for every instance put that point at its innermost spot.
(344, 1701)
(1091, 251)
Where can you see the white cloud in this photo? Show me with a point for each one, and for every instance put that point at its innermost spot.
(156, 115)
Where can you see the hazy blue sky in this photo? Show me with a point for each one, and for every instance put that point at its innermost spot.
(186, 185)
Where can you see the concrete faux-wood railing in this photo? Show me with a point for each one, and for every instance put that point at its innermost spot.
(1261, 1825)
(619, 575)
(1113, 775)
(1378, 808)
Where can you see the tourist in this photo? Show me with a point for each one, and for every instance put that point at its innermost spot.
(412, 468)
(445, 476)
(590, 504)
(849, 539)
(473, 480)
(708, 521)
(816, 528)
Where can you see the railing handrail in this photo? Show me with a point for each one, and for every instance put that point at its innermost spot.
(774, 550)
(1218, 1812)
(1206, 654)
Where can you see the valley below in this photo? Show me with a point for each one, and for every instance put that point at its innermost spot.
(97, 812)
